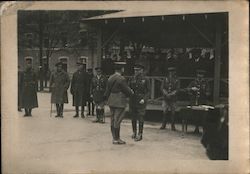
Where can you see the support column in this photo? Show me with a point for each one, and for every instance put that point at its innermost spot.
(217, 68)
(99, 48)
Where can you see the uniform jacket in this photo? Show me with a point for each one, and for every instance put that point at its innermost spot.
(200, 96)
(169, 88)
(80, 88)
(29, 89)
(117, 91)
(141, 87)
(98, 87)
(59, 84)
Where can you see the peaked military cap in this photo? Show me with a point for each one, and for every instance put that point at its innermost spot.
(119, 65)
(171, 69)
(139, 66)
(58, 63)
(200, 71)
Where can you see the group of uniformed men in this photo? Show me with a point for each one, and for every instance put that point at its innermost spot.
(114, 91)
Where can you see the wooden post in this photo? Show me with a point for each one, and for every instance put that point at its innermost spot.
(152, 88)
(99, 47)
(216, 95)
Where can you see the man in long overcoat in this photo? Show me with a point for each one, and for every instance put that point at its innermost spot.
(59, 84)
(98, 87)
(29, 89)
(116, 92)
(80, 89)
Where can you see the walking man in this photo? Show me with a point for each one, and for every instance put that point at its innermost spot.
(199, 91)
(137, 103)
(29, 89)
(169, 88)
(98, 88)
(116, 92)
(59, 84)
(80, 89)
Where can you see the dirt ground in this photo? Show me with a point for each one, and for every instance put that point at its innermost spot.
(44, 144)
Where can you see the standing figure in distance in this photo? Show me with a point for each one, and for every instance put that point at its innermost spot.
(199, 91)
(169, 88)
(98, 88)
(29, 89)
(117, 92)
(59, 84)
(137, 103)
(20, 85)
(91, 105)
(80, 88)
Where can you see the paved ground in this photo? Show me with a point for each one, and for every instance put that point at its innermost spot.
(45, 144)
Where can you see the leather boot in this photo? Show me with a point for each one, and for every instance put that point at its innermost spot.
(77, 112)
(134, 125)
(61, 110)
(118, 136)
(139, 137)
(26, 112)
(172, 122)
(57, 110)
(164, 121)
(97, 116)
(101, 116)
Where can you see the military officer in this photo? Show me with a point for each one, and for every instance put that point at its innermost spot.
(199, 91)
(91, 105)
(20, 85)
(80, 89)
(29, 89)
(116, 92)
(98, 88)
(137, 103)
(59, 84)
(169, 88)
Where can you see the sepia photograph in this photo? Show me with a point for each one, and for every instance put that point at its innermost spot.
(115, 89)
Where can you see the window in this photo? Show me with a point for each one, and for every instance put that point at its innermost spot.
(83, 59)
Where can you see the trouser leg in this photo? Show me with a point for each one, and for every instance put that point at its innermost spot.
(61, 110)
(141, 123)
(57, 110)
(82, 111)
(30, 110)
(101, 112)
(118, 117)
(89, 107)
(134, 123)
(93, 108)
(26, 112)
(173, 119)
(164, 119)
(77, 111)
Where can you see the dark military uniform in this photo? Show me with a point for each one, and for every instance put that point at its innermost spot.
(91, 105)
(20, 85)
(137, 104)
(117, 92)
(169, 88)
(98, 88)
(80, 90)
(199, 96)
(29, 91)
(59, 84)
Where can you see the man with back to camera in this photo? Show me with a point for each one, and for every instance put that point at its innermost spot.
(116, 93)
(59, 84)
(137, 103)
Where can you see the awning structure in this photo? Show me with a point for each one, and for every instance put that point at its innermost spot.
(166, 28)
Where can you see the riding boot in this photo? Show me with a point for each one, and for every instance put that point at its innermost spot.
(82, 112)
(26, 112)
(134, 128)
(30, 112)
(173, 122)
(164, 121)
(139, 137)
(118, 136)
(93, 108)
(89, 103)
(97, 116)
(77, 112)
(101, 116)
